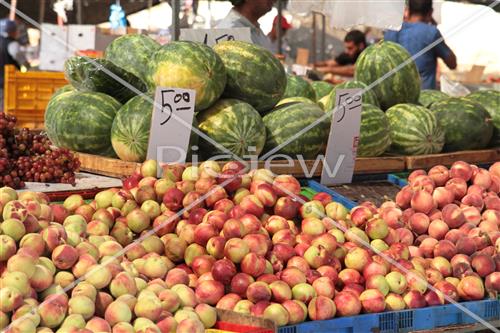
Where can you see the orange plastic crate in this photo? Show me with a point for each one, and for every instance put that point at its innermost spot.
(26, 95)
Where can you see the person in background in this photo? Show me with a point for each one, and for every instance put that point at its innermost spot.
(343, 64)
(246, 14)
(273, 35)
(418, 32)
(10, 53)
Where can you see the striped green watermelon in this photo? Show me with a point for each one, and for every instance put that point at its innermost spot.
(414, 130)
(322, 88)
(81, 121)
(130, 130)
(189, 65)
(295, 100)
(467, 124)
(429, 96)
(63, 89)
(254, 75)
(369, 97)
(87, 74)
(234, 125)
(490, 100)
(374, 133)
(285, 122)
(132, 52)
(401, 85)
(297, 86)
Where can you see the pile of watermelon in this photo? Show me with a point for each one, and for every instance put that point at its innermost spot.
(246, 105)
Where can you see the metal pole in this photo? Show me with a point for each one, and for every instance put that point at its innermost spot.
(314, 36)
(79, 12)
(323, 36)
(279, 29)
(176, 8)
(41, 16)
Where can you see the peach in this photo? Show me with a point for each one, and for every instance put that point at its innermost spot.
(286, 207)
(240, 283)
(297, 311)
(422, 201)
(453, 216)
(8, 246)
(258, 291)
(347, 304)
(438, 229)
(445, 248)
(419, 223)
(376, 228)
(317, 256)
(446, 290)
(442, 265)
(462, 170)
(223, 270)
(394, 302)
(202, 264)
(466, 246)
(192, 251)
(236, 249)
(372, 301)
(321, 308)
(439, 174)
(209, 292)
(414, 299)
(458, 186)
(403, 197)
(357, 259)
(483, 264)
(423, 182)
(215, 246)
(471, 288)
(228, 301)
(292, 276)
(285, 185)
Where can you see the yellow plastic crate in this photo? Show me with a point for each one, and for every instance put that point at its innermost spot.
(26, 95)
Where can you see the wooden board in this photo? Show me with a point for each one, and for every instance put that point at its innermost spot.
(470, 156)
(305, 169)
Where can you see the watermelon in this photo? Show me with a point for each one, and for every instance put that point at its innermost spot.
(254, 75)
(467, 124)
(322, 88)
(81, 121)
(132, 52)
(87, 74)
(234, 126)
(130, 130)
(374, 133)
(295, 100)
(490, 100)
(284, 126)
(328, 102)
(414, 130)
(297, 86)
(63, 89)
(402, 85)
(429, 96)
(189, 65)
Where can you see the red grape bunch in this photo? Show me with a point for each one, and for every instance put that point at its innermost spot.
(26, 156)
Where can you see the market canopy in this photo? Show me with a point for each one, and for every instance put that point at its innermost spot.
(93, 11)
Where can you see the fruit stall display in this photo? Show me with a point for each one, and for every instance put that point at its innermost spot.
(161, 255)
(244, 98)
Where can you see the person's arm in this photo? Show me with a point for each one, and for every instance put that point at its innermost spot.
(347, 70)
(15, 52)
(444, 52)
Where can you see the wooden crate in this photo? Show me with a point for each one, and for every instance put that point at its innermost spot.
(27, 94)
(447, 159)
(118, 168)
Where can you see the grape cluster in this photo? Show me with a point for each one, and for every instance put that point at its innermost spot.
(26, 156)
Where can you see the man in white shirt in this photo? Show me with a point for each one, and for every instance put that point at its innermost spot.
(246, 14)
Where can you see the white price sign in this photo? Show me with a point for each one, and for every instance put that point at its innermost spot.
(343, 139)
(171, 125)
(213, 37)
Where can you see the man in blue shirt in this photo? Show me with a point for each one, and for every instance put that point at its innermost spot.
(417, 33)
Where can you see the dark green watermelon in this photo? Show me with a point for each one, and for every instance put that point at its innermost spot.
(284, 126)
(190, 65)
(295, 100)
(234, 125)
(402, 83)
(101, 75)
(63, 89)
(81, 121)
(132, 52)
(369, 97)
(467, 124)
(428, 96)
(322, 88)
(490, 100)
(254, 75)
(414, 130)
(374, 133)
(297, 86)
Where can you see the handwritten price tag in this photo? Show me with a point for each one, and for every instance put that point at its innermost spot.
(343, 140)
(171, 125)
(212, 37)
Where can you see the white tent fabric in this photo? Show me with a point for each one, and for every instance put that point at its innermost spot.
(346, 14)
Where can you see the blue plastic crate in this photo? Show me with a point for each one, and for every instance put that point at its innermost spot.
(397, 180)
(337, 197)
(402, 321)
